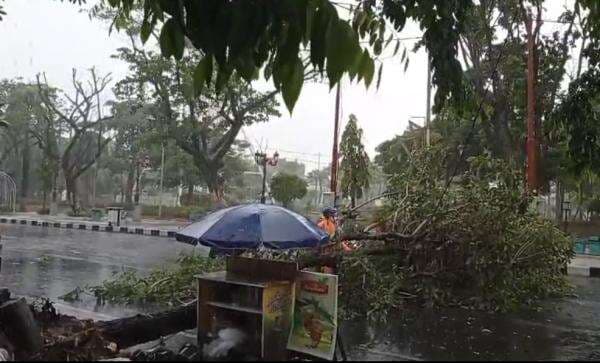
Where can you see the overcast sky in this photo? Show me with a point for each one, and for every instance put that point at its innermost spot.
(54, 37)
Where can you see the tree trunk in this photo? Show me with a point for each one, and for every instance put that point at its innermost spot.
(44, 199)
(138, 180)
(20, 326)
(560, 193)
(212, 182)
(26, 157)
(127, 332)
(129, 187)
(71, 184)
(190, 192)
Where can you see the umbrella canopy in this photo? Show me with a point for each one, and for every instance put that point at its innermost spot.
(250, 226)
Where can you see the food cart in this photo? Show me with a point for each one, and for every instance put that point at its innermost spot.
(281, 311)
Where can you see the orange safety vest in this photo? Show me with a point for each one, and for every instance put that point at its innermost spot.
(327, 225)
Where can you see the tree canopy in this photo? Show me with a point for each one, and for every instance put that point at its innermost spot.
(285, 188)
(245, 37)
(355, 162)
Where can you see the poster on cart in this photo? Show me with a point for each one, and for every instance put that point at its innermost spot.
(314, 325)
(277, 319)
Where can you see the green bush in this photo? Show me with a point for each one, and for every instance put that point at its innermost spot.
(594, 206)
(167, 212)
(201, 200)
(173, 284)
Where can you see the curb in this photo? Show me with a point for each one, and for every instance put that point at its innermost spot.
(91, 227)
(586, 271)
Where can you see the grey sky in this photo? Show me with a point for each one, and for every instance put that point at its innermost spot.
(54, 37)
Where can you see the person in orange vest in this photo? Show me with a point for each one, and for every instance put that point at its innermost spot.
(327, 222)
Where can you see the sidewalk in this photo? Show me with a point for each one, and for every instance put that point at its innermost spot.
(585, 265)
(153, 227)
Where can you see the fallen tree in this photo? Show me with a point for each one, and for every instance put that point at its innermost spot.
(472, 242)
(130, 331)
(69, 339)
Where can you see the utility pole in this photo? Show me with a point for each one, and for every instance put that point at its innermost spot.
(334, 158)
(532, 145)
(428, 109)
(263, 197)
(318, 201)
(162, 175)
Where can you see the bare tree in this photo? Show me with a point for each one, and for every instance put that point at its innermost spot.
(74, 120)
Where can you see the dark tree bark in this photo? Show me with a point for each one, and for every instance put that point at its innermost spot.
(20, 326)
(130, 331)
(129, 186)
(25, 167)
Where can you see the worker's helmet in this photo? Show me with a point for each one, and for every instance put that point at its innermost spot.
(329, 212)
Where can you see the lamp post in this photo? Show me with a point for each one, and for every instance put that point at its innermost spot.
(262, 159)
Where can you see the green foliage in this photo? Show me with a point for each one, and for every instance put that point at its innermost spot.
(579, 115)
(286, 187)
(189, 116)
(594, 206)
(196, 199)
(247, 36)
(476, 242)
(168, 212)
(173, 284)
(354, 167)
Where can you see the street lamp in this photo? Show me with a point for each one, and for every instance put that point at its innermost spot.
(262, 159)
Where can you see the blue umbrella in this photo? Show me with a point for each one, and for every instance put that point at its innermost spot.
(250, 226)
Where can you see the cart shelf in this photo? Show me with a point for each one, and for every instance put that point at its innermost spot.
(234, 307)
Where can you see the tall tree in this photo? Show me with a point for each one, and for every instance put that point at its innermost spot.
(355, 162)
(78, 115)
(204, 125)
(22, 109)
(132, 123)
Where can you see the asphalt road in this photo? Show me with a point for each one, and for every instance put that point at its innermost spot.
(49, 262)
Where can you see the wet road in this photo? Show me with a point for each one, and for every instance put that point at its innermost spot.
(50, 262)
(566, 329)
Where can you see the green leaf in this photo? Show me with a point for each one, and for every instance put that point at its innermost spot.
(359, 19)
(367, 68)
(222, 78)
(268, 72)
(396, 47)
(203, 73)
(389, 40)
(377, 47)
(318, 41)
(292, 84)
(342, 46)
(145, 31)
(171, 40)
(379, 72)
(354, 69)
(310, 13)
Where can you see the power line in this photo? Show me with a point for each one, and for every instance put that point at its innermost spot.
(295, 152)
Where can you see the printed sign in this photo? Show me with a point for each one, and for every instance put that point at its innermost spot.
(277, 318)
(314, 326)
